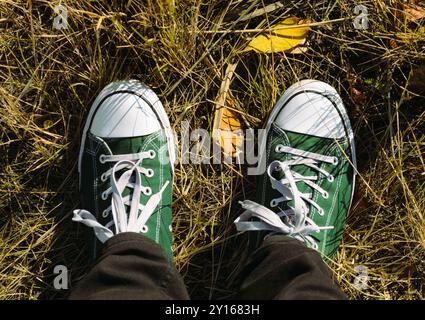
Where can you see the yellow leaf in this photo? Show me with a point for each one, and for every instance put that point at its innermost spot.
(227, 127)
(229, 121)
(228, 130)
(414, 12)
(300, 49)
(280, 40)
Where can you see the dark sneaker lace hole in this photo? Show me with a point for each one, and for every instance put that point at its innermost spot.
(148, 191)
(152, 154)
(278, 148)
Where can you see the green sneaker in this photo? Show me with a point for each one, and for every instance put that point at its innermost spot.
(308, 154)
(126, 165)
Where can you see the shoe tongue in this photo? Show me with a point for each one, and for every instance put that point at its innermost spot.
(124, 145)
(308, 143)
(311, 144)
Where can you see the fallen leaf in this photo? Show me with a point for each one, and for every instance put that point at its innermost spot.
(280, 40)
(229, 132)
(414, 12)
(226, 127)
(393, 44)
(416, 82)
(357, 96)
(300, 49)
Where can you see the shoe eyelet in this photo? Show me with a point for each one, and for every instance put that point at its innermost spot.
(331, 178)
(152, 154)
(104, 196)
(278, 148)
(148, 191)
(321, 212)
(150, 173)
(145, 229)
(103, 177)
(325, 195)
(335, 161)
(102, 158)
(277, 168)
(273, 203)
(105, 213)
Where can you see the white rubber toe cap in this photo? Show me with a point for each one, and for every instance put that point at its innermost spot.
(312, 107)
(125, 109)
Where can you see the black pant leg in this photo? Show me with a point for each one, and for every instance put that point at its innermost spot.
(284, 268)
(131, 266)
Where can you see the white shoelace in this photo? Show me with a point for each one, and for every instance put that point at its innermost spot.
(135, 220)
(294, 221)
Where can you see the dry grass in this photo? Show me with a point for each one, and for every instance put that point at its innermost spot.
(48, 79)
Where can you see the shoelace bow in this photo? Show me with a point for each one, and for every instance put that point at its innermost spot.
(294, 221)
(135, 220)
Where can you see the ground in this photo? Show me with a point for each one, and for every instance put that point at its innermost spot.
(181, 49)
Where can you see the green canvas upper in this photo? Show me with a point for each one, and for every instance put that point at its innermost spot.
(92, 186)
(336, 205)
